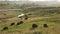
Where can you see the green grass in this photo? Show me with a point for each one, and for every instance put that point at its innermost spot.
(51, 19)
(26, 26)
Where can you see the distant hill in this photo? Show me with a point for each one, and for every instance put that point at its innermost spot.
(23, 4)
(43, 11)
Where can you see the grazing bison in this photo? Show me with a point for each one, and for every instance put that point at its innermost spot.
(45, 25)
(26, 17)
(12, 24)
(34, 26)
(21, 22)
(5, 28)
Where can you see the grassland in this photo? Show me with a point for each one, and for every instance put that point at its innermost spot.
(39, 16)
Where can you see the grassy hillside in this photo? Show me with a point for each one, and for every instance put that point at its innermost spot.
(39, 16)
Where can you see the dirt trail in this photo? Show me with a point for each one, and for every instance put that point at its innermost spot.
(36, 18)
(29, 19)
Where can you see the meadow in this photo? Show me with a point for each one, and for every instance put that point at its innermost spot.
(39, 16)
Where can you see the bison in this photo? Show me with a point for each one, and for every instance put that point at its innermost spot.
(21, 22)
(26, 18)
(45, 25)
(5, 28)
(12, 24)
(34, 25)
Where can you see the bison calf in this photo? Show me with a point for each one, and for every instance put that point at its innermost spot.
(21, 22)
(34, 26)
(45, 25)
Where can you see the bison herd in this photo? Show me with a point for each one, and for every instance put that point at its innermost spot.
(21, 22)
(35, 26)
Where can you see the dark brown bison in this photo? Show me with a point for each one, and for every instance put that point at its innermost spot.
(5, 28)
(45, 25)
(34, 25)
(21, 22)
(26, 17)
(12, 24)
